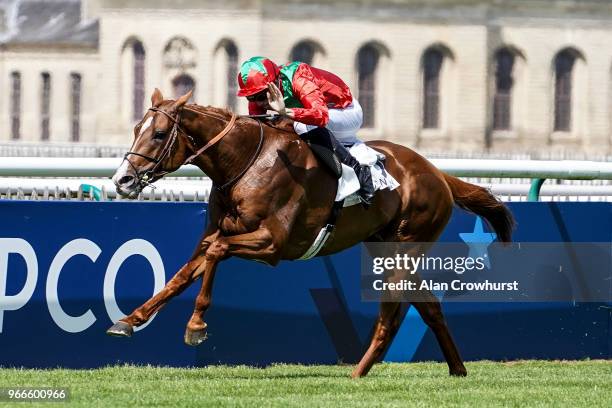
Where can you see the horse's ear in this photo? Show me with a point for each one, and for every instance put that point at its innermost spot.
(182, 100)
(157, 98)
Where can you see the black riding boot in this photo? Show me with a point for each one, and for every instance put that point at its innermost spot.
(322, 136)
(364, 175)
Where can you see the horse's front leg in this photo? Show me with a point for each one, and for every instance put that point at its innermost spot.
(256, 245)
(179, 282)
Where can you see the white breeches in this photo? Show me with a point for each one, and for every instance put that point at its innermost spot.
(343, 123)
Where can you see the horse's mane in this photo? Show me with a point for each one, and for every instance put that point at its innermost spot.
(283, 125)
(210, 109)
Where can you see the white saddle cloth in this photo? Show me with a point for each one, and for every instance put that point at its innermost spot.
(348, 184)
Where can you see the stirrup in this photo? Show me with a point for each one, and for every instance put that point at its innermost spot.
(365, 202)
(366, 196)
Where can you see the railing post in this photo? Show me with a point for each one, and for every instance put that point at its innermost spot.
(92, 190)
(534, 191)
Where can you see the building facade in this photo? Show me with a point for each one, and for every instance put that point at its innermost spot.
(441, 75)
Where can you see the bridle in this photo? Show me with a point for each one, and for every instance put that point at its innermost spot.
(145, 176)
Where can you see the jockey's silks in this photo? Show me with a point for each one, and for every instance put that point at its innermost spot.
(309, 92)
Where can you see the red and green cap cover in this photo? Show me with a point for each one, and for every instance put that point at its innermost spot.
(255, 75)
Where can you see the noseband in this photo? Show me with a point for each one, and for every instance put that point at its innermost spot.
(145, 176)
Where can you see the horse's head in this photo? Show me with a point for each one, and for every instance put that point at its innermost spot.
(160, 146)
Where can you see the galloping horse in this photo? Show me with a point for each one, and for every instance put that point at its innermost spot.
(271, 198)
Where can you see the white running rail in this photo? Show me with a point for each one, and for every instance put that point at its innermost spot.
(46, 176)
(105, 167)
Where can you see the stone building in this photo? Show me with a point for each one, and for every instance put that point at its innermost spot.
(439, 75)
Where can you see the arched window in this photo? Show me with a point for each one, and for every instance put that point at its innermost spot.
(138, 81)
(75, 106)
(45, 100)
(309, 52)
(232, 73)
(182, 84)
(432, 67)
(504, 82)
(564, 65)
(15, 105)
(303, 51)
(133, 76)
(367, 63)
(225, 74)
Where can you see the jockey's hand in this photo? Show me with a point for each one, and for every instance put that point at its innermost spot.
(276, 100)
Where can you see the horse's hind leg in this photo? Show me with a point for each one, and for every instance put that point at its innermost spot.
(431, 313)
(389, 321)
(389, 317)
(430, 310)
(421, 222)
(386, 328)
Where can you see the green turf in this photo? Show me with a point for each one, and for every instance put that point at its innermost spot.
(519, 384)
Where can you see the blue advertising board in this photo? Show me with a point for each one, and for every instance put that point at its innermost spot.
(68, 270)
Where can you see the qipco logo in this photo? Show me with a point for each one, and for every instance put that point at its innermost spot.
(69, 323)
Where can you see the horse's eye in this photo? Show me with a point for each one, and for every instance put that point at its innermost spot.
(159, 135)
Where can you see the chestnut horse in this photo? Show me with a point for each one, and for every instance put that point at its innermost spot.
(271, 197)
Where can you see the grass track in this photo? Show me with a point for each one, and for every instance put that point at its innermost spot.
(523, 383)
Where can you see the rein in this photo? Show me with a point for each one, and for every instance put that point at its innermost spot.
(144, 177)
(212, 141)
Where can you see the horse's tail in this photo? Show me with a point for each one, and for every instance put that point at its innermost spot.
(480, 201)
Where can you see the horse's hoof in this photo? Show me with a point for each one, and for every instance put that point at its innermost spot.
(458, 372)
(195, 337)
(120, 329)
(358, 373)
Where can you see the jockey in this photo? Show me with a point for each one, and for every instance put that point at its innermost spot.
(319, 102)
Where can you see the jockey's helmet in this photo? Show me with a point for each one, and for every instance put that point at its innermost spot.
(255, 75)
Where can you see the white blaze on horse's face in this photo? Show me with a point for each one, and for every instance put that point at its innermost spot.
(125, 178)
(122, 174)
(145, 125)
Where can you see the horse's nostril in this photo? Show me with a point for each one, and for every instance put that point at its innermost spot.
(126, 180)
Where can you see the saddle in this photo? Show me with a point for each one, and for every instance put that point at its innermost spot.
(323, 149)
(327, 157)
